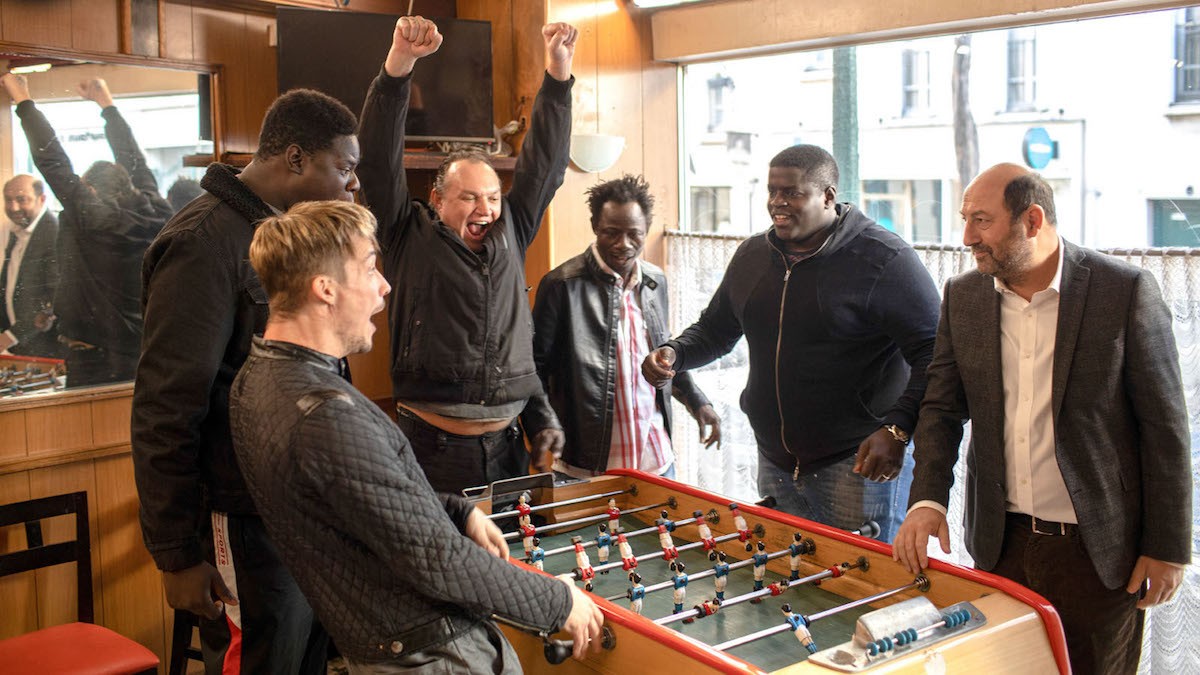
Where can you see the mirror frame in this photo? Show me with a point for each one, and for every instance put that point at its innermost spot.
(69, 396)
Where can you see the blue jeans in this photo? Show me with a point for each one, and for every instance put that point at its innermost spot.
(838, 497)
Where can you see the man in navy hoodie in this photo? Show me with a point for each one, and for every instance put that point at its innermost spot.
(840, 317)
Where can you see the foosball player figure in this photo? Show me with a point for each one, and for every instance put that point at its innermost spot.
(583, 564)
(704, 531)
(628, 560)
(523, 509)
(739, 523)
(527, 532)
(614, 515)
(603, 541)
(706, 608)
(721, 575)
(636, 592)
(796, 548)
(679, 581)
(760, 569)
(537, 555)
(800, 629)
(664, 540)
(666, 520)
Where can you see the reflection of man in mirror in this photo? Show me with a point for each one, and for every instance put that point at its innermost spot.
(29, 273)
(110, 214)
(203, 303)
(462, 358)
(182, 191)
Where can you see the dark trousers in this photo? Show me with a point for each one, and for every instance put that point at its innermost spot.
(272, 628)
(453, 462)
(1103, 626)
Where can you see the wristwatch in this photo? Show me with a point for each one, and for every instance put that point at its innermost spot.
(897, 433)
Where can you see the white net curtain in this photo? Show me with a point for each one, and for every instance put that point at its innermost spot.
(696, 263)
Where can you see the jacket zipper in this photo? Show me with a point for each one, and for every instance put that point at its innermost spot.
(778, 348)
(487, 330)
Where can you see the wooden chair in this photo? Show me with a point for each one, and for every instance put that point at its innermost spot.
(182, 650)
(80, 647)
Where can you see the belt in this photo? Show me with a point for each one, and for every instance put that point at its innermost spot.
(429, 635)
(1039, 526)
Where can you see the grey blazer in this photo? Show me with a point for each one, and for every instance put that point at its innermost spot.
(1120, 421)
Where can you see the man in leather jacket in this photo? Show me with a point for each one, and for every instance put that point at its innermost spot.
(338, 486)
(595, 318)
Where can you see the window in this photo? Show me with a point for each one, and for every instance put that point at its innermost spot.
(1022, 70)
(717, 86)
(1175, 222)
(1187, 57)
(710, 209)
(916, 82)
(911, 208)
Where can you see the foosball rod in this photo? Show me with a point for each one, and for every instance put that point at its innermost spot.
(698, 575)
(565, 502)
(512, 536)
(628, 535)
(920, 582)
(772, 589)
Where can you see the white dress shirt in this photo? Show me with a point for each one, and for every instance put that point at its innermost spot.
(14, 264)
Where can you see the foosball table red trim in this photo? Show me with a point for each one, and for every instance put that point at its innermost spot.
(1050, 618)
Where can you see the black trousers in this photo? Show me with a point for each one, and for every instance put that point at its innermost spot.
(1103, 625)
(453, 462)
(272, 629)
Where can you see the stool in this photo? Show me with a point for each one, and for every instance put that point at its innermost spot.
(80, 647)
(182, 651)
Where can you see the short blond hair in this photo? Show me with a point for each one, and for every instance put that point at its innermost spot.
(311, 239)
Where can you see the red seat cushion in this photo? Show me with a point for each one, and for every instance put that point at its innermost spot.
(74, 648)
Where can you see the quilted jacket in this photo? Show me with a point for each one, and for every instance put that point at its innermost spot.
(380, 556)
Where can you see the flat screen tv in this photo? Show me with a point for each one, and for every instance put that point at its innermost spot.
(339, 53)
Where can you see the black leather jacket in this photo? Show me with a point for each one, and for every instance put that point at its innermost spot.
(380, 556)
(575, 319)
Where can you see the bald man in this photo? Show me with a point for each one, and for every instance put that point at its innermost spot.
(29, 272)
(1078, 476)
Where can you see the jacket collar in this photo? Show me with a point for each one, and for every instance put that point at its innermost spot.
(277, 349)
(221, 180)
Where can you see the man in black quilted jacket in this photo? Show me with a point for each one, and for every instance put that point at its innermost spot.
(380, 555)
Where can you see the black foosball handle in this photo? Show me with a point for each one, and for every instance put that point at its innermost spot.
(557, 651)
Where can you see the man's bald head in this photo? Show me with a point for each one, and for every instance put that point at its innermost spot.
(1021, 189)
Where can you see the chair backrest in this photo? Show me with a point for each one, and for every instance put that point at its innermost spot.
(37, 555)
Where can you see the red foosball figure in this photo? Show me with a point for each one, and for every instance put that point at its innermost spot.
(628, 561)
(527, 532)
(705, 532)
(664, 539)
(584, 564)
(614, 515)
(740, 523)
(523, 508)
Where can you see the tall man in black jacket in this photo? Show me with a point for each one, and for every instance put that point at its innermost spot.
(203, 303)
(596, 317)
(840, 317)
(462, 362)
(110, 215)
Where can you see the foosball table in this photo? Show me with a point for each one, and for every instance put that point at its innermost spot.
(693, 581)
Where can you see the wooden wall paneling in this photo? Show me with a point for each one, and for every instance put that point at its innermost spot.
(660, 142)
(18, 591)
(144, 27)
(261, 76)
(110, 420)
(131, 583)
(56, 586)
(59, 428)
(221, 36)
(12, 435)
(37, 22)
(177, 36)
(94, 25)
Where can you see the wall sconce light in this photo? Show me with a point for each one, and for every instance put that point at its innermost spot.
(593, 153)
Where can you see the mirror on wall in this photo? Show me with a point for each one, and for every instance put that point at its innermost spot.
(73, 236)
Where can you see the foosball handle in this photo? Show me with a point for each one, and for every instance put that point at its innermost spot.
(767, 501)
(557, 651)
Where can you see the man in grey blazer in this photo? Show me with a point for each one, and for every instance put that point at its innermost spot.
(1078, 475)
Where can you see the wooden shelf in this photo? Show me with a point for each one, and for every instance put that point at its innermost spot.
(413, 160)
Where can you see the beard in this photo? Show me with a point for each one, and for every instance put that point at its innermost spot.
(1010, 259)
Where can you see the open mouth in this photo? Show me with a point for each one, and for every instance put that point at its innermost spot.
(477, 228)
